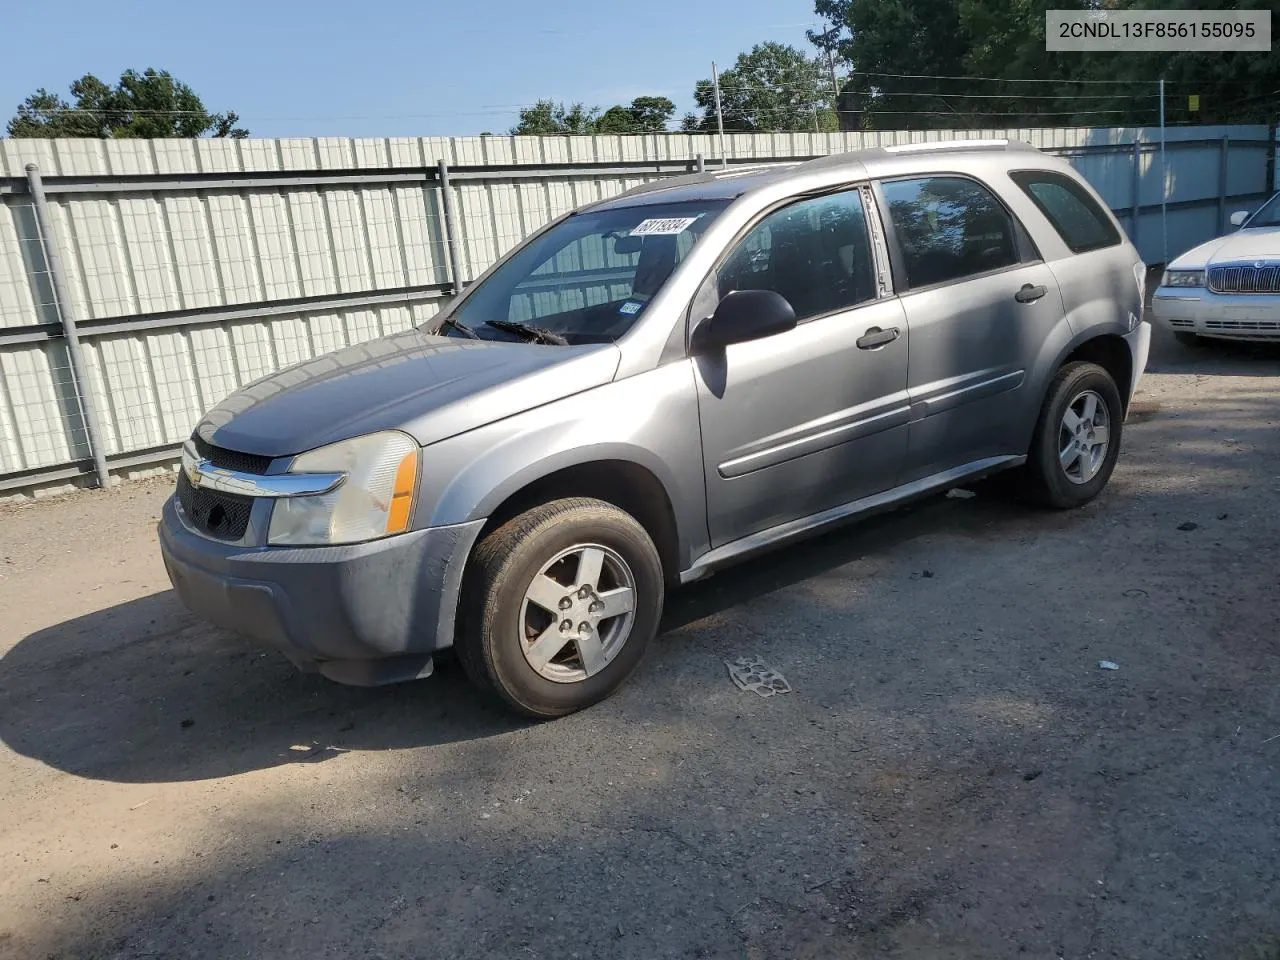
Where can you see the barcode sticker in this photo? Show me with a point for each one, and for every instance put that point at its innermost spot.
(662, 226)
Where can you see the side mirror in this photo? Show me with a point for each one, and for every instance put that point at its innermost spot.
(1239, 217)
(744, 315)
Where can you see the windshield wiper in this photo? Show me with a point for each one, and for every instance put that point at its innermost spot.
(462, 328)
(528, 330)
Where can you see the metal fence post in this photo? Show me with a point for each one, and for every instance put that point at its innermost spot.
(1224, 153)
(66, 313)
(1135, 208)
(450, 226)
(1164, 183)
(1273, 169)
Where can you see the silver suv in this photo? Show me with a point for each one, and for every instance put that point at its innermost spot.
(651, 388)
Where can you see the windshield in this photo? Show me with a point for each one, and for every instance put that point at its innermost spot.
(589, 278)
(1268, 216)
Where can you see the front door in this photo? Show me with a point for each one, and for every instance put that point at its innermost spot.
(815, 417)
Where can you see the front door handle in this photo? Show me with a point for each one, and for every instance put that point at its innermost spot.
(1030, 292)
(875, 337)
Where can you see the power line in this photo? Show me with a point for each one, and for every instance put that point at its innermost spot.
(946, 113)
(1061, 81)
(997, 96)
(907, 93)
(493, 111)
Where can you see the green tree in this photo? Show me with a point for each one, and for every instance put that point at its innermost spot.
(1233, 87)
(548, 117)
(774, 86)
(143, 105)
(897, 51)
(652, 113)
(908, 37)
(644, 115)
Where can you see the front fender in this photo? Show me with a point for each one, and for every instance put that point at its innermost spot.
(650, 420)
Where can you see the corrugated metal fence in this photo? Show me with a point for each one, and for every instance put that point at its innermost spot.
(194, 267)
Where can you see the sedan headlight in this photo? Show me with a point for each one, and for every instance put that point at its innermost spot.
(374, 500)
(1183, 278)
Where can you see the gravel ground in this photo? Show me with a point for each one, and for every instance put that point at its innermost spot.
(952, 775)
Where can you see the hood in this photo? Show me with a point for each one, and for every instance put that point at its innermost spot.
(1262, 243)
(431, 387)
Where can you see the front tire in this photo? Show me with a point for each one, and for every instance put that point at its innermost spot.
(560, 604)
(1077, 438)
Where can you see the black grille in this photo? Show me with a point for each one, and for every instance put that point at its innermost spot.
(231, 459)
(1245, 278)
(224, 516)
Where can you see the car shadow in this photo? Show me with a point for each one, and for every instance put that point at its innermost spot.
(145, 692)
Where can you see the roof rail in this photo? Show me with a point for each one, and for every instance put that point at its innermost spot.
(958, 145)
(742, 169)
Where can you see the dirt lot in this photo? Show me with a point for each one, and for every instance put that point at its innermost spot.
(953, 775)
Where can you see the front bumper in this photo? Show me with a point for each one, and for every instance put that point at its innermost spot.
(365, 614)
(1209, 314)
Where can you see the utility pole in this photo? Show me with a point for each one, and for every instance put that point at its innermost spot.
(715, 82)
(1164, 181)
(835, 87)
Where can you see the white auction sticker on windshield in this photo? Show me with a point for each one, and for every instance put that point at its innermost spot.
(662, 226)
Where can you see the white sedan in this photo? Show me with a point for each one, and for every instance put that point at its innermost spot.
(1228, 288)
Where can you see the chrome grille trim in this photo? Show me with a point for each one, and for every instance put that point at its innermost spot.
(1245, 278)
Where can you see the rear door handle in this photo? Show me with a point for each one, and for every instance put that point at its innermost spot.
(1030, 292)
(875, 337)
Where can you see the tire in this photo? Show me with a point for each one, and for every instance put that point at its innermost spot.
(501, 620)
(1189, 339)
(1054, 481)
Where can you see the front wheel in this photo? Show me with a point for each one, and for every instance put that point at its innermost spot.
(1077, 438)
(560, 604)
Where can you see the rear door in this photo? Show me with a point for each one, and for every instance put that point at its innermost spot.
(979, 304)
(815, 417)
(1102, 283)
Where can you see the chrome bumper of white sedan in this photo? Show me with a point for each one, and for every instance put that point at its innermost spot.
(1208, 314)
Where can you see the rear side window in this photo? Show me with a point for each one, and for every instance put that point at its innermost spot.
(1081, 223)
(949, 228)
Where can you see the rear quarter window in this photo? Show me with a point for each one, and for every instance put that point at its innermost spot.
(1079, 220)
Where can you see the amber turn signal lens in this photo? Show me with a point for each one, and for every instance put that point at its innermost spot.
(402, 496)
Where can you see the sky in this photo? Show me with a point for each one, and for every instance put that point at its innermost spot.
(392, 67)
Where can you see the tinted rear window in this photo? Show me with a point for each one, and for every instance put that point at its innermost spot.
(1082, 224)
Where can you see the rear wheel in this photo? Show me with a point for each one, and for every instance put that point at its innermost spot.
(1077, 438)
(560, 605)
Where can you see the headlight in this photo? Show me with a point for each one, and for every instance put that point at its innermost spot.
(1183, 278)
(375, 500)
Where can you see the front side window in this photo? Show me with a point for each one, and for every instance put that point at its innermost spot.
(1076, 216)
(816, 253)
(949, 228)
(589, 278)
